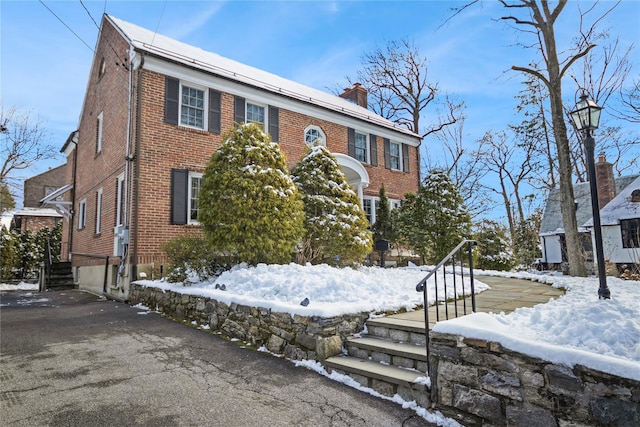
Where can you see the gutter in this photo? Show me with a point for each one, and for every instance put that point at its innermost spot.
(136, 177)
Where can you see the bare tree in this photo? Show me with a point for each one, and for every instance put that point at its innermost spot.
(396, 78)
(23, 143)
(511, 165)
(535, 133)
(537, 17)
(462, 164)
(630, 103)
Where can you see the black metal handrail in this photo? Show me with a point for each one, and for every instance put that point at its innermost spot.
(422, 286)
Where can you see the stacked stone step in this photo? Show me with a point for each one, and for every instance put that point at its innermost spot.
(390, 359)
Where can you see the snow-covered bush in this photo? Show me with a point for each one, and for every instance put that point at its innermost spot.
(250, 208)
(434, 220)
(192, 256)
(493, 251)
(336, 225)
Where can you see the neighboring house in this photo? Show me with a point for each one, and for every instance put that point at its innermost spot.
(552, 237)
(155, 111)
(620, 224)
(40, 186)
(35, 219)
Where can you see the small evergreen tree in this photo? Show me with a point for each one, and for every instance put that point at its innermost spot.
(250, 208)
(336, 226)
(525, 241)
(434, 220)
(383, 227)
(493, 250)
(8, 254)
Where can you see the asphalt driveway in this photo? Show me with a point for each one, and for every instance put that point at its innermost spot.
(70, 358)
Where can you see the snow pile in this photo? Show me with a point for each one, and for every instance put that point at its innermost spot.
(331, 291)
(22, 286)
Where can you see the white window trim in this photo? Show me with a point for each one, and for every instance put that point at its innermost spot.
(119, 201)
(82, 214)
(99, 211)
(192, 175)
(258, 104)
(99, 133)
(205, 107)
(375, 201)
(400, 160)
(316, 128)
(367, 146)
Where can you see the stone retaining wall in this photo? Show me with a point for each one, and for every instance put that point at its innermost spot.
(481, 383)
(297, 337)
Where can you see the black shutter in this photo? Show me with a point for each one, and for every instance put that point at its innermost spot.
(238, 109)
(179, 194)
(373, 144)
(405, 158)
(171, 101)
(351, 142)
(387, 153)
(274, 123)
(215, 102)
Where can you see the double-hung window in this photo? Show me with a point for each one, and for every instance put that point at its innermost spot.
(82, 214)
(185, 196)
(120, 198)
(630, 229)
(361, 147)
(194, 192)
(368, 205)
(99, 133)
(99, 211)
(192, 106)
(395, 156)
(256, 114)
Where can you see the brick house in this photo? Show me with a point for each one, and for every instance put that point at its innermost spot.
(156, 109)
(38, 187)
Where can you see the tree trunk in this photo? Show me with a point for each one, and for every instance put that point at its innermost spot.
(567, 199)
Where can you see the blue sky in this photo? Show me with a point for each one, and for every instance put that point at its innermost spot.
(45, 66)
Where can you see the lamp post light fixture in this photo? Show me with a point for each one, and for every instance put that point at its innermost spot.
(586, 118)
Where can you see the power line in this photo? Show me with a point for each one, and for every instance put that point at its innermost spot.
(69, 28)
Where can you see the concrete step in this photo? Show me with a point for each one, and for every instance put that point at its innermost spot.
(403, 355)
(397, 330)
(385, 379)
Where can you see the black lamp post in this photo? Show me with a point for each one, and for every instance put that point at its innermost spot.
(586, 118)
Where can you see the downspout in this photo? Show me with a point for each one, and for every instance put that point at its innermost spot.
(136, 178)
(73, 195)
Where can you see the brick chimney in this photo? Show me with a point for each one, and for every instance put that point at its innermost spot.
(357, 94)
(604, 179)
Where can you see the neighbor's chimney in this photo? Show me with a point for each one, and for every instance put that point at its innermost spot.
(357, 94)
(604, 179)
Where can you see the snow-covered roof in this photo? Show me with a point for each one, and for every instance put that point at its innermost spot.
(194, 57)
(37, 212)
(621, 207)
(551, 222)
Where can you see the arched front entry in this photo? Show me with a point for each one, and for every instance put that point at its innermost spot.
(356, 174)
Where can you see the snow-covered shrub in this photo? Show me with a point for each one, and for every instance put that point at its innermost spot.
(8, 254)
(493, 251)
(336, 226)
(192, 255)
(434, 220)
(250, 208)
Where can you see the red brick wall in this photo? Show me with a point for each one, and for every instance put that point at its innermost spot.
(107, 93)
(37, 223)
(164, 147)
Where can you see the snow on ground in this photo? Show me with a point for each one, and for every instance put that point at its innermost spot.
(577, 328)
(331, 291)
(22, 286)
